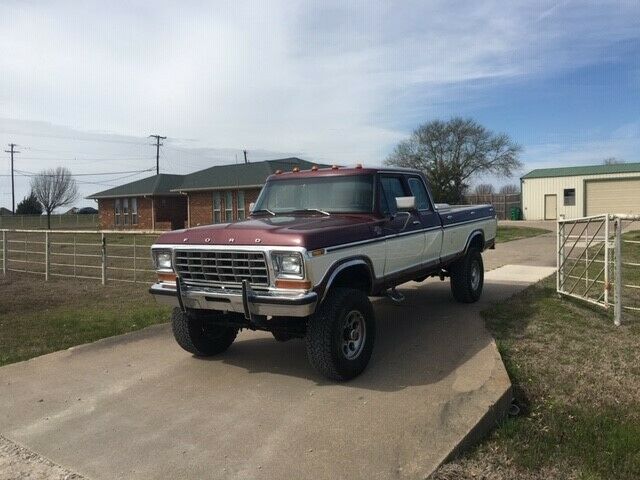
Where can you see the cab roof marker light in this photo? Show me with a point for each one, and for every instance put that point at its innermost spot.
(314, 168)
(358, 165)
(296, 169)
(334, 167)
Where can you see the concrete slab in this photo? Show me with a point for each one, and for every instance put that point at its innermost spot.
(525, 274)
(137, 406)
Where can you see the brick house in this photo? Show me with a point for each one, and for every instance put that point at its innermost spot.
(223, 193)
(146, 204)
(217, 194)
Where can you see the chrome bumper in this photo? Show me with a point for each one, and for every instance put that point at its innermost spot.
(257, 303)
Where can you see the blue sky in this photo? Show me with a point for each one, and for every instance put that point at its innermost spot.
(83, 84)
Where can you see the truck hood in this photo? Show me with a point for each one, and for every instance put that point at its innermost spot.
(309, 231)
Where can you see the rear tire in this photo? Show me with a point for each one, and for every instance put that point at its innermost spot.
(467, 277)
(341, 334)
(198, 335)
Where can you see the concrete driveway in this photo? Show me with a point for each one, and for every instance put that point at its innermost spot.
(137, 406)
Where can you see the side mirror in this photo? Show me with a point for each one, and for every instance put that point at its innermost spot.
(251, 206)
(406, 204)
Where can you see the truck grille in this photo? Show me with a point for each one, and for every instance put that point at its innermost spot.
(221, 267)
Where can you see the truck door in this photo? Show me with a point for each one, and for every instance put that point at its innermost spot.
(404, 238)
(429, 219)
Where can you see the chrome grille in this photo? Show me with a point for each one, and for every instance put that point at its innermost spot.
(221, 267)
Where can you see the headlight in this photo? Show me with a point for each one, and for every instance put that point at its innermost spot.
(288, 264)
(162, 259)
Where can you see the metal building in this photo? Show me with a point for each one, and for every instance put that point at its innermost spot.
(570, 192)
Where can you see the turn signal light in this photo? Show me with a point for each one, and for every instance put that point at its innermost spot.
(167, 277)
(294, 284)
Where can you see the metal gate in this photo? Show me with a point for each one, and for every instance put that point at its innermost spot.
(594, 267)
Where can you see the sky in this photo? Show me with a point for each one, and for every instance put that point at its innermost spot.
(83, 84)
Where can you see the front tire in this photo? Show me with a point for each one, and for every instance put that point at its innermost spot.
(198, 335)
(341, 334)
(467, 277)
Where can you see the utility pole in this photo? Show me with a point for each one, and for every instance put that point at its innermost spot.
(13, 189)
(158, 138)
(245, 156)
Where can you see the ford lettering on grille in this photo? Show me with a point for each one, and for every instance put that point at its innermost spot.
(221, 267)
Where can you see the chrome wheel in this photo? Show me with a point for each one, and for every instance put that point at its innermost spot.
(475, 275)
(354, 334)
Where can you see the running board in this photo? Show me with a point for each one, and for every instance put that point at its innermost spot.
(395, 296)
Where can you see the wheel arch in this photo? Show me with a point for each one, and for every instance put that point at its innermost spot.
(475, 240)
(354, 272)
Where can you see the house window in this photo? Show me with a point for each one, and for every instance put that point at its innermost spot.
(125, 211)
(217, 200)
(241, 214)
(117, 211)
(228, 206)
(569, 197)
(134, 211)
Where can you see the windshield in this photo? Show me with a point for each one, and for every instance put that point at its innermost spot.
(353, 193)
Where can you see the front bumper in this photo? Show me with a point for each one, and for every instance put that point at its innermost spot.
(232, 300)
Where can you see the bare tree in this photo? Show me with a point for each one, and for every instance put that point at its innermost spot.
(510, 189)
(54, 188)
(451, 153)
(484, 189)
(612, 161)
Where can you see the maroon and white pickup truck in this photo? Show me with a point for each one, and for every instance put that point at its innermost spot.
(316, 246)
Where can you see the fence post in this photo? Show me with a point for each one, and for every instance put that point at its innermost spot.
(606, 261)
(617, 312)
(135, 276)
(559, 256)
(104, 258)
(46, 256)
(4, 252)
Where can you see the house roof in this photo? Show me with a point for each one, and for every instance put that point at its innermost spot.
(584, 170)
(240, 175)
(162, 184)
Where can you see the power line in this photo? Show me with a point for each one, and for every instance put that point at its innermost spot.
(82, 174)
(158, 138)
(13, 188)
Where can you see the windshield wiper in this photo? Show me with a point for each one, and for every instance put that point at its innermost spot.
(263, 210)
(310, 210)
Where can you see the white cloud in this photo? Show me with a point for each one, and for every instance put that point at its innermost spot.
(328, 81)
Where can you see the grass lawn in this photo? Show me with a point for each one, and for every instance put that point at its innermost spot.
(577, 380)
(38, 317)
(507, 233)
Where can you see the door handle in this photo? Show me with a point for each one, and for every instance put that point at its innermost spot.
(415, 222)
(449, 217)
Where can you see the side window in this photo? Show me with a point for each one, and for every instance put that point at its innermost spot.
(420, 193)
(391, 187)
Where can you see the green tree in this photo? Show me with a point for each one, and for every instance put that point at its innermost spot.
(450, 153)
(29, 206)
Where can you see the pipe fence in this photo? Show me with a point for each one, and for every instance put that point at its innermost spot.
(119, 256)
(598, 261)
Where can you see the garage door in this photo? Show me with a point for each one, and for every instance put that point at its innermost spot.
(613, 196)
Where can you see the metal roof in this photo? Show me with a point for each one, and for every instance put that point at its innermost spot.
(584, 170)
(241, 174)
(162, 184)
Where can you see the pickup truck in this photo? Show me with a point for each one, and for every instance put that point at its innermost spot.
(316, 246)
